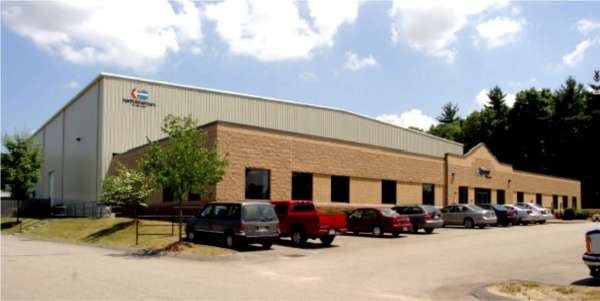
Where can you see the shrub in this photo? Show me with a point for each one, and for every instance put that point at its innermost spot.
(569, 214)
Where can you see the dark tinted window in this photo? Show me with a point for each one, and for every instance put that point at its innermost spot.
(302, 186)
(340, 189)
(463, 195)
(389, 212)
(430, 209)
(258, 184)
(259, 212)
(193, 196)
(555, 202)
(281, 209)
(369, 214)
(388, 192)
(206, 211)
(221, 211)
(538, 199)
(356, 214)
(500, 197)
(565, 202)
(234, 212)
(428, 194)
(520, 196)
(168, 195)
(574, 202)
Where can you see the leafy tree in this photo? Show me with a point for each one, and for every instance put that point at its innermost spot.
(128, 188)
(449, 113)
(185, 162)
(20, 165)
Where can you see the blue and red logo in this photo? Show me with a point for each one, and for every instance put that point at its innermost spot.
(140, 95)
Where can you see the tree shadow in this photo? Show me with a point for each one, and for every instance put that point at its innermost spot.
(306, 245)
(108, 231)
(8, 225)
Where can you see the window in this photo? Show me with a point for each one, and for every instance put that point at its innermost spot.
(281, 209)
(565, 202)
(304, 207)
(193, 196)
(206, 211)
(538, 199)
(258, 184)
(500, 197)
(168, 195)
(520, 197)
(574, 202)
(388, 192)
(555, 201)
(428, 194)
(369, 214)
(220, 211)
(340, 189)
(302, 186)
(463, 195)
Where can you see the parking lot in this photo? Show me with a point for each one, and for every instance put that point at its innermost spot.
(447, 265)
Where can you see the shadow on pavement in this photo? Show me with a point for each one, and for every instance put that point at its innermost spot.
(110, 230)
(307, 245)
(593, 282)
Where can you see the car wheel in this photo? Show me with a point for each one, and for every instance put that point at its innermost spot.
(428, 230)
(469, 223)
(543, 222)
(482, 226)
(525, 223)
(415, 229)
(327, 240)
(395, 234)
(298, 237)
(267, 245)
(191, 235)
(355, 232)
(230, 241)
(377, 231)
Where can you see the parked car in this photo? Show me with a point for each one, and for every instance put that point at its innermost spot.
(543, 213)
(301, 221)
(424, 217)
(468, 215)
(524, 216)
(591, 257)
(378, 221)
(506, 216)
(238, 223)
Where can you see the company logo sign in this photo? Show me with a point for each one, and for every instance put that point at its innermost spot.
(139, 98)
(484, 172)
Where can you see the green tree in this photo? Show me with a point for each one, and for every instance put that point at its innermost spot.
(128, 188)
(20, 165)
(185, 162)
(449, 113)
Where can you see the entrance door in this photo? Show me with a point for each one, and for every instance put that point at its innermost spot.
(483, 196)
(51, 187)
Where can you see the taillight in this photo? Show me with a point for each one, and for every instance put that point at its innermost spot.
(242, 228)
(588, 243)
(428, 215)
(529, 211)
(510, 213)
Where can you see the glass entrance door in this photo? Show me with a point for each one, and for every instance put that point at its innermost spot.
(483, 196)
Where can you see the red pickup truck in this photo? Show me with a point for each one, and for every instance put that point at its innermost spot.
(301, 221)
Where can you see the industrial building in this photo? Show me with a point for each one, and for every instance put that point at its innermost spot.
(276, 149)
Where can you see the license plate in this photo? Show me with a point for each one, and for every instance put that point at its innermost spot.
(331, 232)
(261, 229)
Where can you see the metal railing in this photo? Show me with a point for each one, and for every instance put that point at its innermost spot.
(146, 220)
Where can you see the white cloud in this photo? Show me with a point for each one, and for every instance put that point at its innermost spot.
(308, 76)
(482, 99)
(355, 63)
(275, 30)
(499, 31)
(586, 26)
(432, 26)
(576, 56)
(413, 117)
(127, 34)
(72, 84)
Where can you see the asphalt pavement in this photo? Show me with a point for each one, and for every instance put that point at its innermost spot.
(449, 264)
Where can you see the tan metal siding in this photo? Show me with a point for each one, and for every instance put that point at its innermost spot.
(80, 156)
(39, 186)
(126, 126)
(53, 139)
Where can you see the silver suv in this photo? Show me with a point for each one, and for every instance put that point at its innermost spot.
(468, 215)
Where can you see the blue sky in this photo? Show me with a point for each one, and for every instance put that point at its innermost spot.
(396, 61)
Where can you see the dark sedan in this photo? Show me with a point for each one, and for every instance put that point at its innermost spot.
(424, 217)
(377, 221)
(506, 216)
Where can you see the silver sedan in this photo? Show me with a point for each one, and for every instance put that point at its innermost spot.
(542, 213)
(524, 216)
(468, 215)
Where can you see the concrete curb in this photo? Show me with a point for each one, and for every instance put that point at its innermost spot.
(482, 293)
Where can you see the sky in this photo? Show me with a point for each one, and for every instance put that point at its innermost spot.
(397, 61)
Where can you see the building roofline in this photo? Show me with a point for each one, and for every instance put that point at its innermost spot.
(270, 99)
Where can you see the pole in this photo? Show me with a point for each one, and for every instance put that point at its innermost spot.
(136, 224)
(180, 217)
(19, 215)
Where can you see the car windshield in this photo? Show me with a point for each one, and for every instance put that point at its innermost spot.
(259, 212)
(430, 209)
(500, 207)
(389, 212)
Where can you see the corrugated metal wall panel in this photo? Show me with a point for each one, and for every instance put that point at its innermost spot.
(126, 126)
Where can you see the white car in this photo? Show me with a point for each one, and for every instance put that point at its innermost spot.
(524, 216)
(592, 255)
(542, 215)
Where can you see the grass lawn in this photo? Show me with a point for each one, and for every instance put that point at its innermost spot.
(528, 290)
(109, 232)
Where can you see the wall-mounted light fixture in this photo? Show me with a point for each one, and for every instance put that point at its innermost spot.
(78, 139)
(452, 178)
(508, 183)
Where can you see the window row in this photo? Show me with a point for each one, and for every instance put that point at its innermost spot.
(483, 196)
